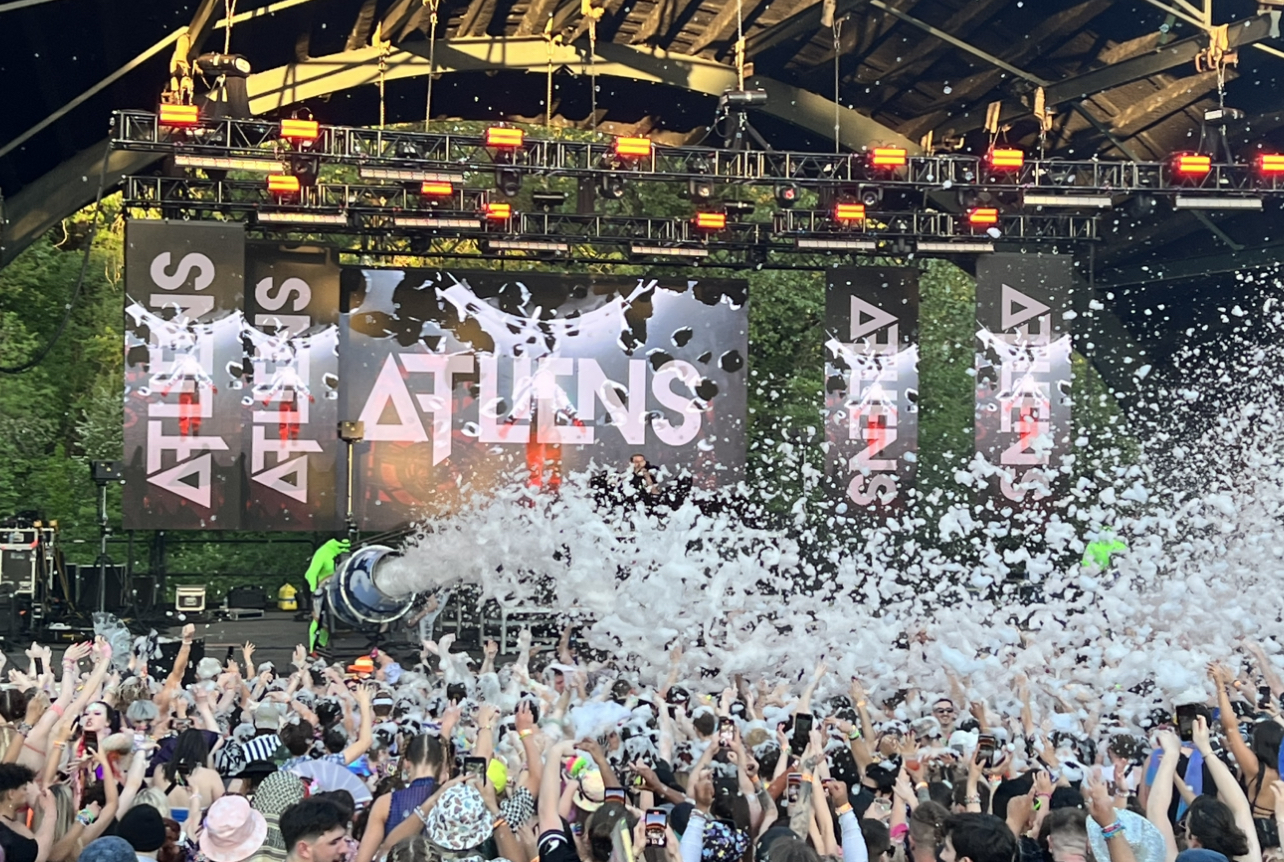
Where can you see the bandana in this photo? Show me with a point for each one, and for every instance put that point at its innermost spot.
(276, 793)
(723, 843)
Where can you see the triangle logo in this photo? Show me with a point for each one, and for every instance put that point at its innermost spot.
(177, 480)
(295, 470)
(1018, 308)
(867, 318)
(390, 390)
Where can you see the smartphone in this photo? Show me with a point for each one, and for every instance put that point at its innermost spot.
(726, 732)
(985, 746)
(657, 823)
(475, 766)
(456, 692)
(802, 733)
(1186, 721)
(1263, 696)
(139, 736)
(614, 794)
(794, 781)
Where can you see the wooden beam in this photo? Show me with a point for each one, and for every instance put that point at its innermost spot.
(536, 17)
(476, 18)
(400, 15)
(200, 27)
(662, 17)
(1164, 102)
(362, 27)
(918, 59)
(723, 25)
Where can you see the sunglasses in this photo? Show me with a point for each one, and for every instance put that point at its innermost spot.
(944, 710)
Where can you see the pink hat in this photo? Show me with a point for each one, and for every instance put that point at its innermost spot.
(233, 830)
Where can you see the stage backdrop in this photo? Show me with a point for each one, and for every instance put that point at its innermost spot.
(465, 379)
(184, 283)
(871, 386)
(1023, 376)
(291, 400)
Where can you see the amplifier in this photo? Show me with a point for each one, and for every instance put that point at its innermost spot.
(18, 572)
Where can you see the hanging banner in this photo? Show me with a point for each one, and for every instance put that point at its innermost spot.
(1023, 376)
(469, 380)
(183, 374)
(871, 387)
(291, 401)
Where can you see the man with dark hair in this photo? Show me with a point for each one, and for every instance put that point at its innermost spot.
(978, 838)
(945, 713)
(313, 831)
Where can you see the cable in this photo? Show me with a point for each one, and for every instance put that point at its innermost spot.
(80, 279)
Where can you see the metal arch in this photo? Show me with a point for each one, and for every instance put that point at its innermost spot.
(69, 187)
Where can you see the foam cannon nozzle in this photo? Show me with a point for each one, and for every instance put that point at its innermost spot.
(360, 596)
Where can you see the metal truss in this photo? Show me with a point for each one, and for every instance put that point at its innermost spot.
(462, 156)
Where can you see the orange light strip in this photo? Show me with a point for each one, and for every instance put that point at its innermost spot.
(888, 157)
(502, 136)
(1006, 159)
(431, 188)
(283, 184)
(179, 115)
(499, 212)
(633, 148)
(849, 212)
(300, 130)
(711, 221)
(1190, 163)
(1270, 164)
(983, 216)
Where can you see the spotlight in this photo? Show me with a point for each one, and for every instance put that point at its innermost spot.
(787, 195)
(499, 211)
(710, 221)
(283, 184)
(548, 201)
(179, 116)
(306, 168)
(301, 132)
(633, 148)
(508, 181)
(502, 137)
(871, 196)
(700, 190)
(611, 187)
(888, 158)
(847, 213)
(740, 208)
(983, 216)
(1192, 165)
(745, 98)
(1004, 159)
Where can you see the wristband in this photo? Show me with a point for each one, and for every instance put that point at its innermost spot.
(843, 809)
(56, 709)
(499, 821)
(524, 732)
(972, 800)
(922, 785)
(899, 831)
(1114, 830)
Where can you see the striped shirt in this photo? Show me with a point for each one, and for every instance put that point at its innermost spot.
(261, 747)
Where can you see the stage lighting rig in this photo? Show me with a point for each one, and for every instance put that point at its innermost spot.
(739, 208)
(547, 201)
(787, 195)
(508, 181)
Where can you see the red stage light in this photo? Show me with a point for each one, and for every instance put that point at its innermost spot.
(888, 157)
(502, 136)
(711, 221)
(849, 212)
(1006, 159)
(179, 116)
(283, 184)
(499, 211)
(633, 148)
(1192, 164)
(1269, 164)
(431, 188)
(983, 216)
(300, 130)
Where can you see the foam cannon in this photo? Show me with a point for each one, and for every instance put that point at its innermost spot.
(358, 592)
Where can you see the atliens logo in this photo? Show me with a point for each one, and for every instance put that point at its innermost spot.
(280, 394)
(1025, 390)
(181, 359)
(412, 394)
(872, 388)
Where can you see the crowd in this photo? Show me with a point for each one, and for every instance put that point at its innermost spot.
(562, 757)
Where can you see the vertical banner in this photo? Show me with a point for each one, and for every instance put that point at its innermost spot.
(183, 364)
(871, 386)
(291, 400)
(467, 381)
(1023, 376)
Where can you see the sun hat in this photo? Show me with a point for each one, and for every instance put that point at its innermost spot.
(592, 792)
(460, 819)
(233, 830)
(267, 717)
(1142, 836)
(364, 665)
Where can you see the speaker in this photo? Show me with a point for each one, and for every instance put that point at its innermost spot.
(85, 586)
(18, 569)
(251, 598)
(159, 668)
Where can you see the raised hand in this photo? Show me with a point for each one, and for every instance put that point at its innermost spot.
(522, 718)
(189, 631)
(1100, 805)
(1199, 735)
(1169, 742)
(300, 657)
(490, 650)
(837, 792)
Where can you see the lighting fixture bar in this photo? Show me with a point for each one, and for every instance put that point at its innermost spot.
(849, 212)
(228, 163)
(837, 244)
(1006, 159)
(302, 218)
(499, 211)
(633, 148)
(1269, 163)
(1193, 164)
(439, 223)
(1104, 202)
(968, 247)
(888, 157)
(527, 245)
(710, 221)
(1201, 202)
(433, 188)
(402, 175)
(662, 251)
(283, 184)
(180, 116)
(980, 216)
(502, 136)
(300, 130)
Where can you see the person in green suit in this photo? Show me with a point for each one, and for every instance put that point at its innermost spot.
(1098, 552)
(319, 570)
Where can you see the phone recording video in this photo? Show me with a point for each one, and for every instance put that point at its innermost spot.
(726, 732)
(794, 782)
(985, 748)
(802, 733)
(657, 822)
(614, 794)
(1186, 713)
(475, 766)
